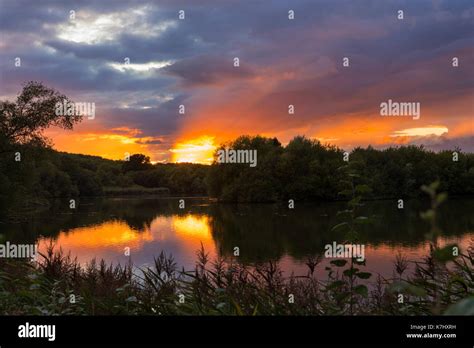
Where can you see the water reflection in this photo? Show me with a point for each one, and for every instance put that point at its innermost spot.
(104, 240)
(103, 228)
(116, 241)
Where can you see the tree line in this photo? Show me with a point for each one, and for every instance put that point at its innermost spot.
(307, 170)
(31, 172)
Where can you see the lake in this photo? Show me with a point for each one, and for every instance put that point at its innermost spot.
(102, 228)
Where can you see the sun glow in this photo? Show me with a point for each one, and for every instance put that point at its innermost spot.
(199, 150)
(421, 131)
(101, 143)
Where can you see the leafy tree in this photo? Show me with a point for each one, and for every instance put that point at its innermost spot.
(137, 162)
(23, 121)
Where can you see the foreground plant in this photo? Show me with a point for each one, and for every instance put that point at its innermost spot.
(59, 285)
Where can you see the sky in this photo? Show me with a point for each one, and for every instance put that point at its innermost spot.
(137, 61)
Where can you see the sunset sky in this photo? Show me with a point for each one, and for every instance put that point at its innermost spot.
(282, 62)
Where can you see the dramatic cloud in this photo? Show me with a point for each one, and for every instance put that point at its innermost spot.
(140, 63)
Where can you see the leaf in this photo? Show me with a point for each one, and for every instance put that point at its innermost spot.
(445, 254)
(362, 220)
(255, 310)
(34, 286)
(351, 236)
(340, 226)
(347, 182)
(427, 190)
(363, 189)
(400, 286)
(350, 272)
(427, 215)
(345, 192)
(344, 212)
(361, 290)
(336, 284)
(237, 308)
(355, 201)
(344, 167)
(221, 306)
(342, 296)
(131, 299)
(463, 307)
(364, 275)
(431, 189)
(338, 263)
(457, 280)
(441, 197)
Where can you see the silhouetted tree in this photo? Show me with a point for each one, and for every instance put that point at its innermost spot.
(23, 121)
(137, 162)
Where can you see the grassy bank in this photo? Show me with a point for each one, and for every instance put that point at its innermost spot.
(57, 284)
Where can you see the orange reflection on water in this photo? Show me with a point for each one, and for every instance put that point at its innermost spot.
(181, 236)
(91, 241)
(191, 225)
(194, 230)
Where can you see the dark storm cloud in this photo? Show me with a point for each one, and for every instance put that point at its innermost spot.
(160, 120)
(69, 74)
(208, 70)
(31, 17)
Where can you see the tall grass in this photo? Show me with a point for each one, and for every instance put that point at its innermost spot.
(224, 287)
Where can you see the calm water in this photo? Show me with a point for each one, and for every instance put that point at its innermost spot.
(103, 228)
